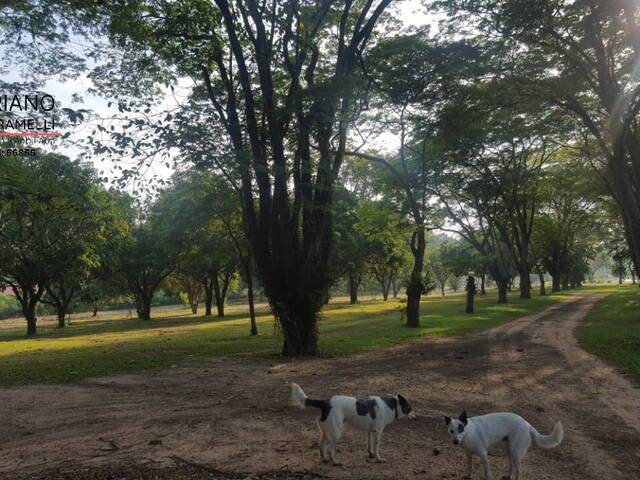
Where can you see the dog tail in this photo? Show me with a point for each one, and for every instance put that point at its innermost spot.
(298, 396)
(299, 399)
(548, 441)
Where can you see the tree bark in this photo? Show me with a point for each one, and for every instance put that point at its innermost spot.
(354, 283)
(385, 291)
(31, 322)
(220, 287)
(503, 288)
(28, 296)
(62, 313)
(471, 291)
(482, 286)
(525, 283)
(415, 286)
(299, 331)
(543, 290)
(143, 307)
(208, 296)
(252, 310)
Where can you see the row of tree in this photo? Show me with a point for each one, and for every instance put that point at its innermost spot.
(503, 120)
(65, 238)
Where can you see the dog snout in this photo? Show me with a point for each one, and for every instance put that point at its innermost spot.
(456, 442)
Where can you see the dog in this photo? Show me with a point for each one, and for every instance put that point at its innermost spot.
(478, 434)
(372, 415)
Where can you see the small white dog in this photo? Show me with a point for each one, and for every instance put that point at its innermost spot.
(372, 415)
(478, 434)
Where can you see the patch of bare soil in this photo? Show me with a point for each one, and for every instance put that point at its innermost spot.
(222, 418)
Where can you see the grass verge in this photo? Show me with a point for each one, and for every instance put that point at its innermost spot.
(612, 330)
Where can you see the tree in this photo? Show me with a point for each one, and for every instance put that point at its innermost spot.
(204, 224)
(386, 236)
(352, 249)
(411, 74)
(567, 218)
(579, 57)
(283, 80)
(53, 214)
(142, 255)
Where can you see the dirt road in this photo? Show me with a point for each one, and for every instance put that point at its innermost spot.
(232, 415)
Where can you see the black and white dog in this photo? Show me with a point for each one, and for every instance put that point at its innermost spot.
(372, 415)
(478, 434)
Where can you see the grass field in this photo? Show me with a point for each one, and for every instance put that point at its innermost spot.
(117, 343)
(612, 330)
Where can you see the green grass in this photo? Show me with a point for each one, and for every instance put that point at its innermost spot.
(612, 330)
(116, 343)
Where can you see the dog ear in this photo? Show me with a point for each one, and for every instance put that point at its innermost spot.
(448, 420)
(463, 417)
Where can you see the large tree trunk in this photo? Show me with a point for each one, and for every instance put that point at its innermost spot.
(503, 288)
(62, 313)
(565, 282)
(299, 331)
(31, 322)
(471, 291)
(208, 296)
(415, 286)
(555, 283)
(252, 309)
(543, 290)
(143, 307)
(95, 310)
(193, 303)
(525, 283)
(354, 283)
(28, 297)
(482, 286)
(246, 265)
(385, 290)
(220, 290)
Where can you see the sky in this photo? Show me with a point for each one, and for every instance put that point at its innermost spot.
(411, 12)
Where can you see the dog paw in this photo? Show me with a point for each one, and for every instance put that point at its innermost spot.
(337, 464)
(371, 455)
(380, 460)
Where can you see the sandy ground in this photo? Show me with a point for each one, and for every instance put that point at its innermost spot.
(229, 418)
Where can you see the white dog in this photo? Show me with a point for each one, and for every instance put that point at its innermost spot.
(478, 434)
(372, 415)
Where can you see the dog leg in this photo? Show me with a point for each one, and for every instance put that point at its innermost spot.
(508, 449)
(487, 467)
(332, 454)
(370, 444)
(324, 443)
(469, 474)
(377, 436)
(334, 437)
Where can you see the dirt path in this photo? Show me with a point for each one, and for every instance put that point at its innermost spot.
(233, 415)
